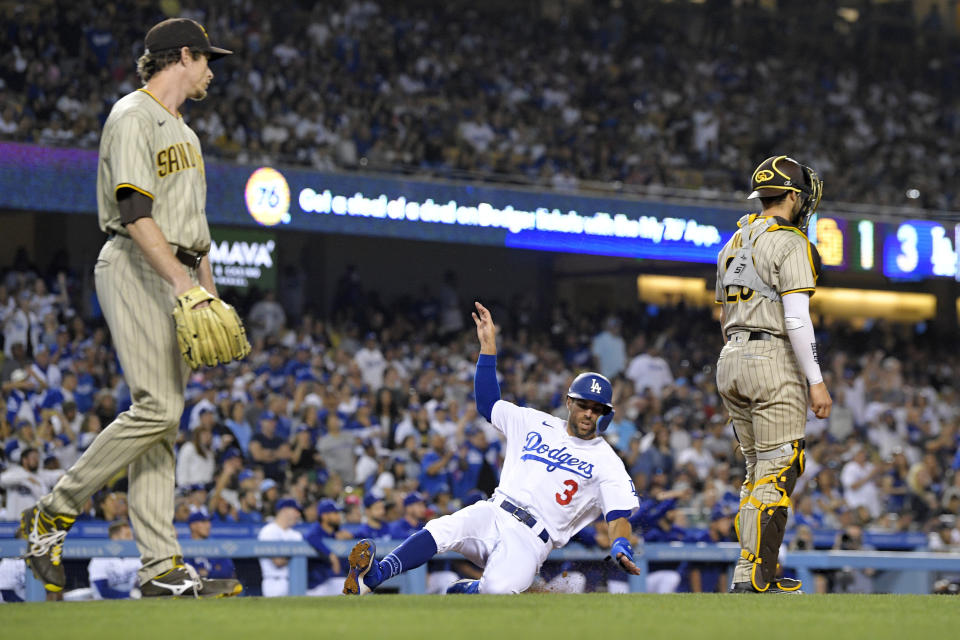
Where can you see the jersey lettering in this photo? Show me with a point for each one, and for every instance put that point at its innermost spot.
(565, 498)
(177, 157)
(556, 458)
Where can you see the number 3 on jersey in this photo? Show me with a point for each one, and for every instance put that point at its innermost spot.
(565, 497)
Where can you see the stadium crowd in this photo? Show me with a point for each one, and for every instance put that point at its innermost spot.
(363, 423)
(624, 94)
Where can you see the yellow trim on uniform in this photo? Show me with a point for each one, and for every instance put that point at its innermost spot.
(813, 270)
(127, 185)
(147, 91)
(777, 186)
(810, 289)
(796, 588)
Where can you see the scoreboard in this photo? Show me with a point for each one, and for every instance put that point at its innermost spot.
(908, 251)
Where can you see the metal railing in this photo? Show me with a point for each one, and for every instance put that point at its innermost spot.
(915, 570)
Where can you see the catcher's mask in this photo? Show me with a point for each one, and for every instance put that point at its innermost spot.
(777, 174)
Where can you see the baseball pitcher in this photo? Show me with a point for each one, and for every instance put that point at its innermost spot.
(151, 197)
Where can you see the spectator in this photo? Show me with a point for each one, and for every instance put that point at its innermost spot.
(249, 509)
(609, 349)
(371, 362)
(374, 525)
(199, 522)
(859, 478)
(336, 449)
(327, 572)
(269, 450)
(266, 317)
(696, 456)
(26, 483)
(648, 369)
(195, 460)
(13, 580)
(239, 427)
(414, 510)
(276, 571)
(114, 578)
(436, 466)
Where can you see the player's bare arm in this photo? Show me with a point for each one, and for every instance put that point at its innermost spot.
(154, 245)
(486, 330)
(205, 275)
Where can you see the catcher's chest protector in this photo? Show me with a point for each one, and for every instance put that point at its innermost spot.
(741, 271)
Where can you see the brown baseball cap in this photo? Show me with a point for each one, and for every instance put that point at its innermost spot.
(775, 175)
(174, 33)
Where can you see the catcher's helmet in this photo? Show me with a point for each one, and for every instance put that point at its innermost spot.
(778, 174)
(592, 386)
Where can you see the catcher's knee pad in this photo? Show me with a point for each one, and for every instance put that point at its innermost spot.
(772, 519)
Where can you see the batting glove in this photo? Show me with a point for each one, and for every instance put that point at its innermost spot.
(621, 545)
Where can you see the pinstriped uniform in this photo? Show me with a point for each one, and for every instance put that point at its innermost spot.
(760, 381)
(163, 162)
(147, 148)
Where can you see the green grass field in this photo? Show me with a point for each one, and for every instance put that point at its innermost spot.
(530, 617)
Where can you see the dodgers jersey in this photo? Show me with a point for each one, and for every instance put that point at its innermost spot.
(565, 482)
(120, 574)
(273, 531)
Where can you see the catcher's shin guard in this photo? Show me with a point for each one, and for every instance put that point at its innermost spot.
(745, 490)
(772, 518)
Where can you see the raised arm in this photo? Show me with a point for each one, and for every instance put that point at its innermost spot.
(485, 386)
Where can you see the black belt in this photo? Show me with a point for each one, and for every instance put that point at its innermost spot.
(522, 515)
(755, 335)
(187, 258)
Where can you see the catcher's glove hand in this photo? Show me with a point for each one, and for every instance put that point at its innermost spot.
(208, 335)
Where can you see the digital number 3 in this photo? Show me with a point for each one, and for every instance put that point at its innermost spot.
(567, 495)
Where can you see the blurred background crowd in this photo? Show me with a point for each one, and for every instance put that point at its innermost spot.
(370, 412)
(599, 93)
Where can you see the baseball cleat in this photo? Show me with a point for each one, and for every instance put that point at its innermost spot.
(782, 586)
(44, 555)
(183, 582)
(362, 558)
(464, 586)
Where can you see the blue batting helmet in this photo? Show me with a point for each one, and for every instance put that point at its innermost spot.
(592, 386)
(596, 387)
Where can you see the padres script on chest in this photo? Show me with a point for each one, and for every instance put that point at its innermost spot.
(565, 482)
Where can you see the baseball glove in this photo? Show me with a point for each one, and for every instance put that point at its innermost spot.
(208, 335)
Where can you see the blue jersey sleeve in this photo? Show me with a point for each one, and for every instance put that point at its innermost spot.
(485, 385)
(107, 593)
(314, 538)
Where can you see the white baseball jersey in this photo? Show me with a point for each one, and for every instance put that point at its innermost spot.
(272, 531)
(120, 573)
(13, 577)
(563, 481)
